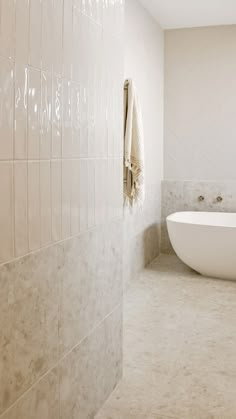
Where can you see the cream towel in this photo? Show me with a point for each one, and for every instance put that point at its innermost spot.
(134, 192)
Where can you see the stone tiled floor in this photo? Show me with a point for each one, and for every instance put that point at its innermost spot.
(179, 347)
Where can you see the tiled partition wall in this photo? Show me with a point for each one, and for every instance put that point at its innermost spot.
(142, 235)
(61, 93)
(144, 62)
(183, 196)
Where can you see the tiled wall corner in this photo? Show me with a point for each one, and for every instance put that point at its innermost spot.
(61, 98)
(144, 54)
(141, 236)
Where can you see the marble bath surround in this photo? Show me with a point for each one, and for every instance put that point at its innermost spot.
(183, 196)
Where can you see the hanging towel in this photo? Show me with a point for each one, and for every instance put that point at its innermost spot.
(134, 192)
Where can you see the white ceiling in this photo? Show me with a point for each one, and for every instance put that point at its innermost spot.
(192, 13)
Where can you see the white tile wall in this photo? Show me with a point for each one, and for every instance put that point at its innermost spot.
(66, 198)
(47, 35)
(57, 118)
(6, 108)
(21, 102)
(91, 193)
(56, 191)
(7, 24)
(35, 33)
(60, 135)
(22, 31)
(46, 116)
(21, 208)
(45, 203)
(6, 211)
(76, 198)
(34, 205)
(83, 194)
(34, 107)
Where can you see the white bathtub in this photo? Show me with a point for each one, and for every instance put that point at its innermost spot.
(205, 241)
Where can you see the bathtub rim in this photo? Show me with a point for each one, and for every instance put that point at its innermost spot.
(174, 218)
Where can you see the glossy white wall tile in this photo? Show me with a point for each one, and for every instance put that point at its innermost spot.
(68, 39)
(57, 36)
(45, 203)
(34, 206)
(84, 121)
(111, 192)
(6, 109)
(75, 196)
(66, 198)
(7, 24)
(46, 116)
(35, 33)
(22, 31)
(21, 103)
(6, 211)
(34, 108)
(91, 193)
(21, 208)
(47, 35)
(101, 192)
(57, 118)
(83, 201)
(60, 133)
(75, 117)
(56, 199)
(67, 120)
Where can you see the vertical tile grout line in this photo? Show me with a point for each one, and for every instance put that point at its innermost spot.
(50, 151)
(94, 189)
(40, 116)
(26, 79)
(13, 71)
(27, 126)
(61, 136)
(13, 138)
(40, 150)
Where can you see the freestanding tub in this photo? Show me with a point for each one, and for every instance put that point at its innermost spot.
(205, 241)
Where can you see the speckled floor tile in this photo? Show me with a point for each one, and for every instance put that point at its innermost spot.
(114, 414)
(179, 347)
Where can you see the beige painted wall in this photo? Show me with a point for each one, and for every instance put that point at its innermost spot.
(200, 104)
(144, 62)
